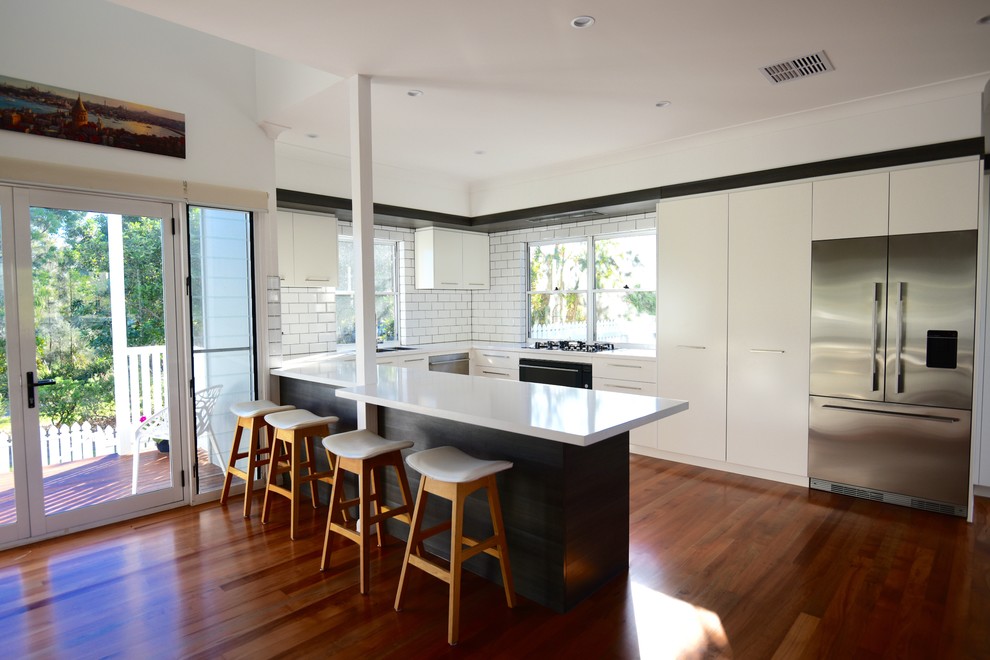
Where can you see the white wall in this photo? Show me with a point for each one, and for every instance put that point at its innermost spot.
(97, 47)
(939, 113)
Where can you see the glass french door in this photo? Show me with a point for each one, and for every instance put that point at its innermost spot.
(92, 422)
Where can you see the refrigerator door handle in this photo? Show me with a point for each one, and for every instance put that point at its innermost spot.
(931, 418)
(899, 348)
(875, 340)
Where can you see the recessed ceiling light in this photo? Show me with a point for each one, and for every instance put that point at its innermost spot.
(581, 22)
(662, 104)
(312, 135)
(985, 20)
(479, 152)
(415, 92)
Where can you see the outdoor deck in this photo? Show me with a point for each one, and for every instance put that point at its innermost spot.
(103, 479)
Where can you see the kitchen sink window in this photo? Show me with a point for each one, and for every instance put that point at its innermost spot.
(386, 291)
(615, 301)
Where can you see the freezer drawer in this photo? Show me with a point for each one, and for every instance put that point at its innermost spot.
(919, 452)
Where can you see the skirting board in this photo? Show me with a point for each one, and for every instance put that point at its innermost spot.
(782, 477)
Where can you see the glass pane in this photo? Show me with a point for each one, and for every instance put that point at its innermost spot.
(223, 334)
(626, 262)
(627, 317)
(385, 318)
(558, 316)
(100, 333)
(345, 319)
(345, 264)
(8, 509)
(385, 267)
(558, 266)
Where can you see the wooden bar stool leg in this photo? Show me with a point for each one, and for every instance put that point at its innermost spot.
(234, 451)
(295, 489)
(334, 516)
(414, 532)
(456, 549)
(364, 515)
(253, 448)
(495, 509)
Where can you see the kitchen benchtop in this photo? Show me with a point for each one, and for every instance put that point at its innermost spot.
(339, 369)
(562, 414)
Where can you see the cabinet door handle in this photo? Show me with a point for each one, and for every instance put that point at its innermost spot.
(494, 373)
(450, 283)
(623, 387)
(414, 359)
(625, 366)
(699, 348)
(317, 279)
(476, 283)
(767, 350)
(491, 355)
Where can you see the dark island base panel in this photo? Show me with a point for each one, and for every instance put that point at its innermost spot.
(565, 507)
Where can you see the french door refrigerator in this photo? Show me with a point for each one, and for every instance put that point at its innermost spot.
(892, 338)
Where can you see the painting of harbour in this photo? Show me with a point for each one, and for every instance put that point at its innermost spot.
(55, 112)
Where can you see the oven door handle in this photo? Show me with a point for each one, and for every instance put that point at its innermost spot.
(536, 366)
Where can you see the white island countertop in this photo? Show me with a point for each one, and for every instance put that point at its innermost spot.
(562, 414)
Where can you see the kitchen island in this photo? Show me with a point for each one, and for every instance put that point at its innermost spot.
(566, 499)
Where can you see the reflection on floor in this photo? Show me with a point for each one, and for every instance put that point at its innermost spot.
(94, 480)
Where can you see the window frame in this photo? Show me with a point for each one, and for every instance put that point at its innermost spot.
(591, 290)
(343, 239)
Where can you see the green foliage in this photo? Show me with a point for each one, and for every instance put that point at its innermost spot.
(71, 279)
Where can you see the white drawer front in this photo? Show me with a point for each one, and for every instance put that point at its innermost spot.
(494, 372)
(624, 386)
(494, 358)
(643, 371)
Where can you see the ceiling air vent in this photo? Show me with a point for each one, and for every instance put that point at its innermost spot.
(799, 67)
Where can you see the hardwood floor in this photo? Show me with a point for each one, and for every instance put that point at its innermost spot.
(720, 566)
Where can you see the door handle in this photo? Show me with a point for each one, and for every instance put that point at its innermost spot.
(32, 384)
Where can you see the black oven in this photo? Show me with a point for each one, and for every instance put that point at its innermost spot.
(554, 372)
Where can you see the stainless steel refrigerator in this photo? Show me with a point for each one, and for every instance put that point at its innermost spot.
(892, 338)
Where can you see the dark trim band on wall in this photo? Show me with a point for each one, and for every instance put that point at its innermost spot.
(417, 217)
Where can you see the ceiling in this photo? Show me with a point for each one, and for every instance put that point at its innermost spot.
(510, 87)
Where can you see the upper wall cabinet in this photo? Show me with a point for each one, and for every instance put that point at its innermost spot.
(914, 200)
(450, 259)
(934, 198)
(307, 249)
(850, 206)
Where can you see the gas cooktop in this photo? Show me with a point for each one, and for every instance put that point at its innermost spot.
(575, 346)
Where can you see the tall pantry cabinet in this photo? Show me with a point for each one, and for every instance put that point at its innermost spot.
(733, 296)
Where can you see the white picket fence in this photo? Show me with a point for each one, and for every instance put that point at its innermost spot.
(65, 444)
(608, 331)
(146, 383)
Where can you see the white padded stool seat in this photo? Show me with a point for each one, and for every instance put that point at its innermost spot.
(453, 466)
(362, 444)
(297, 419)
(256, 408)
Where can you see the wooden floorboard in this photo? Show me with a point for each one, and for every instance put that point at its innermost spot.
(720, 566)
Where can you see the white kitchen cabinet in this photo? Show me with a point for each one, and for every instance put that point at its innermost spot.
(629, 377)
(943, 197)
(769, 295)
(692, 236)
(451, 259)
(850, 206)
(307, 249)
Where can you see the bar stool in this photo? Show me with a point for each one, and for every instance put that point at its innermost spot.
(450, 473)
(361, 453)
(250, 420)
(294, 453)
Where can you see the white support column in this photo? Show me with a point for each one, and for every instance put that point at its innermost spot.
(364, 241)
(118, 331)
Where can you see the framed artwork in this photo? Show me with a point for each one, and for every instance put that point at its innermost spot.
(65, 114)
